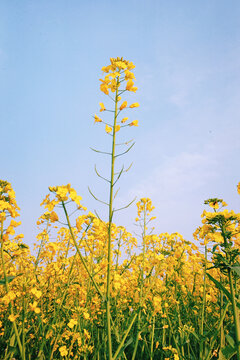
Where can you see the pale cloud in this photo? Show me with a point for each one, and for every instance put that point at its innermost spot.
(178, 175)
(174, 187)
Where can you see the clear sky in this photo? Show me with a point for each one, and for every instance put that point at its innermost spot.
(188, 74)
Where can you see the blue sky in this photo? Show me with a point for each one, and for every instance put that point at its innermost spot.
(187, 71)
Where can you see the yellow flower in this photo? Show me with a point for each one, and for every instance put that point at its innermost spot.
(129, 85)
(134, 89)
(97, 119)
(63, 350)
(117, 128)
(33, 307)
(104, 88)
(214, 204)
(119, 62)
(72, 323)
(14, 223)
(53, 216)
(86, 334)
(134, 123)
(8, 297)
(108, 129)
(36, 293)
(123, 106)
(79, 223)
(238, 188)
(86, 315)
(102, 107)
(134, 105)
(62, 193)
(124, 120)
(113, 85)
(129, 75)
(12, 317)
(75, 197)
(130, 66)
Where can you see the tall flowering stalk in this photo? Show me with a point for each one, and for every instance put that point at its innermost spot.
(144, 209)
(224, 228)
(8, 209)
(118, 80)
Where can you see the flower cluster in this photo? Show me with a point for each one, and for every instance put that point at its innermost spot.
(118, 79)
(8, 205)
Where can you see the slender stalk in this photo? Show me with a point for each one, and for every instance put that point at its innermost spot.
(110, 217)
(212, 341)
(235, 313)
(23, 320)
(174, 337)
(222, 337)
(179, 320)
(141, 287)
(43, 240)
(22, 354)
(232, 291)
(79, 252)
(124, 338)
(152, 338)
(203, 303)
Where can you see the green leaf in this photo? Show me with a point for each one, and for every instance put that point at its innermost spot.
(236, 269)
(9, 279)
(23, 246)
(214, 248)
(124, 347)
(221, 356)
(230, 340)
(220, 286)
(196, 336)
(228, 352)
(12, 341)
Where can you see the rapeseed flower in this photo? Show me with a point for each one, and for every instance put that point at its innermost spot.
(63, 350)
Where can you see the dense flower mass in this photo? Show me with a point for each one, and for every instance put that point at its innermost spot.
(60, 310)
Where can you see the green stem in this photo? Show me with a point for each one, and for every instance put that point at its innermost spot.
(173, 335)
(124, 338)
(203, 303)
(235, 313)
(232, 290)
(79, 252)
(222, 337)
(141, 287)
(22, 354)
(213, 339)
(43, 241)
(110, 217)
(152, 338)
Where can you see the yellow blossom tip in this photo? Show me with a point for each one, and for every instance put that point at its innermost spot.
(134, 105)
(134, 123)
(108, 129)
(97, 119)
